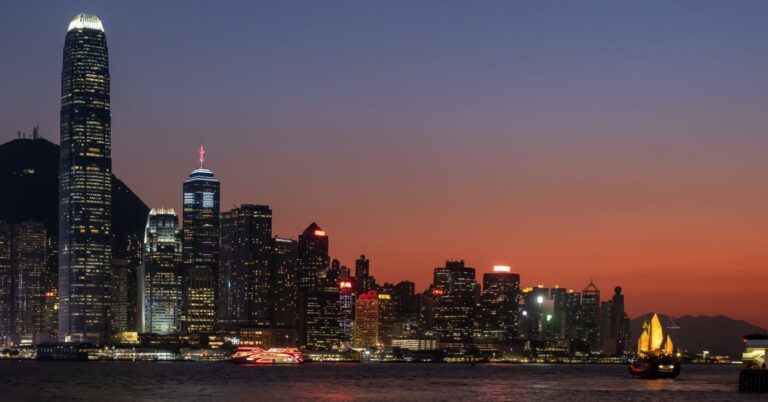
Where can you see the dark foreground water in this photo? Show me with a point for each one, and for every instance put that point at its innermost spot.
(352, 382)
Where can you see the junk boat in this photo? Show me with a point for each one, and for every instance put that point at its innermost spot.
(653, 360)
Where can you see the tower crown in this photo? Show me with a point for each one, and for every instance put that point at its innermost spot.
(86, 21)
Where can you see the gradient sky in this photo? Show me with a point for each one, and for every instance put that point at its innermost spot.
(624, 141)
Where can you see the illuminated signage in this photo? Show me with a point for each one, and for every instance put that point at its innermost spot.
(384, 297)
(437, 292)
(502, 268)
(345, 285)
(319, 232)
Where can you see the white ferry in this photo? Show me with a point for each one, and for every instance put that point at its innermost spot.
(256, 355)
(754, 350)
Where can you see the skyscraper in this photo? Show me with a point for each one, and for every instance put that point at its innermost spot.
(244, 281)
(364, 282)
(283, 278)
(590, 305)
(312, 257)
(200, 248)
(160, 274)
(29, 270)
(500, 304)
(85, 184)
(454, 292)
(6, 283)
(311, 260)
(346, 311)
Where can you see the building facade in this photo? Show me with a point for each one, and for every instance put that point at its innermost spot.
(500, 304)
(454, 292)
(85, 184)
(284, 292)
(245, 277)
(311, 262)
(161, 282)
(200, 249)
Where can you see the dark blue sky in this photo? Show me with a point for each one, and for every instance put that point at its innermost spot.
(623, 140)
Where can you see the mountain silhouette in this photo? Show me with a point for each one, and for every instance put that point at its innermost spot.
(720, 335)
(29, 170)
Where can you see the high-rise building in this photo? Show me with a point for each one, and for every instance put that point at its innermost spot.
(23, 258)
(573, 323)
(614, 325)
(364, 282)
(6, 283)
(323, 312)
(200, 248)
(124, 291)
(367, 320)
(29, 260)
(311, 261)
(537, 313)
(283, 283)
(454, 291)
(312, 257)
(347, 297)
(160, 274)
(500, 304)
(85, 184)
(374, 316)
(245, 279)
(590, 307)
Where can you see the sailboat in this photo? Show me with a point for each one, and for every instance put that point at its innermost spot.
(655, 354)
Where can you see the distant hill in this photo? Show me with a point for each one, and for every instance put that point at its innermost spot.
(717, 334)
(29, 170)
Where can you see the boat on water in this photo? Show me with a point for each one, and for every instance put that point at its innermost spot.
(256, 355)
(755, 347)
(655, 356)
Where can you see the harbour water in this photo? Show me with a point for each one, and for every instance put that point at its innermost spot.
(104, 381)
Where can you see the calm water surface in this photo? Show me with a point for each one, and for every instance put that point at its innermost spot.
(357, 382)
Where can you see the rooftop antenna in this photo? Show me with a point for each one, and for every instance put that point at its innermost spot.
(35, 132)
(202, 155)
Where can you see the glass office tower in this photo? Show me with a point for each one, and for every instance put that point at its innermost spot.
(85, 184)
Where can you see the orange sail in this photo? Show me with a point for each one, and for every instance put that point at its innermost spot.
(656, 334)
(642, 343)
(669, 347)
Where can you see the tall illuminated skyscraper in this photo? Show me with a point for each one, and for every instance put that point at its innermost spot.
(454, 291)
(160, 275)
(85, 184)
(200, 246)
(283, 279)
(245, 278)
(590, 304)
(500, 304)
(311, 267)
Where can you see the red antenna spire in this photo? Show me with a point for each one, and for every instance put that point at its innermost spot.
(202, 155)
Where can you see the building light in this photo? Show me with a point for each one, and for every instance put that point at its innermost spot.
(525, 313)
(345, 285)
(384, 297)
(502, 268)
(319, 232)
(549, 317)
(540, 299)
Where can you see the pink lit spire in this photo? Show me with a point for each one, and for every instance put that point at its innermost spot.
(202, 155)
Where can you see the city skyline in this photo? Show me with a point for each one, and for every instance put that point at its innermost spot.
(552, 231)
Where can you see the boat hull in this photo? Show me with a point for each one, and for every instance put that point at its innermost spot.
(652, 368)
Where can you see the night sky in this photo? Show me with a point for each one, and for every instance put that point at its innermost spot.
(623, 141)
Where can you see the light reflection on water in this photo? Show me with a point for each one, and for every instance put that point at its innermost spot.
(353, 382)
